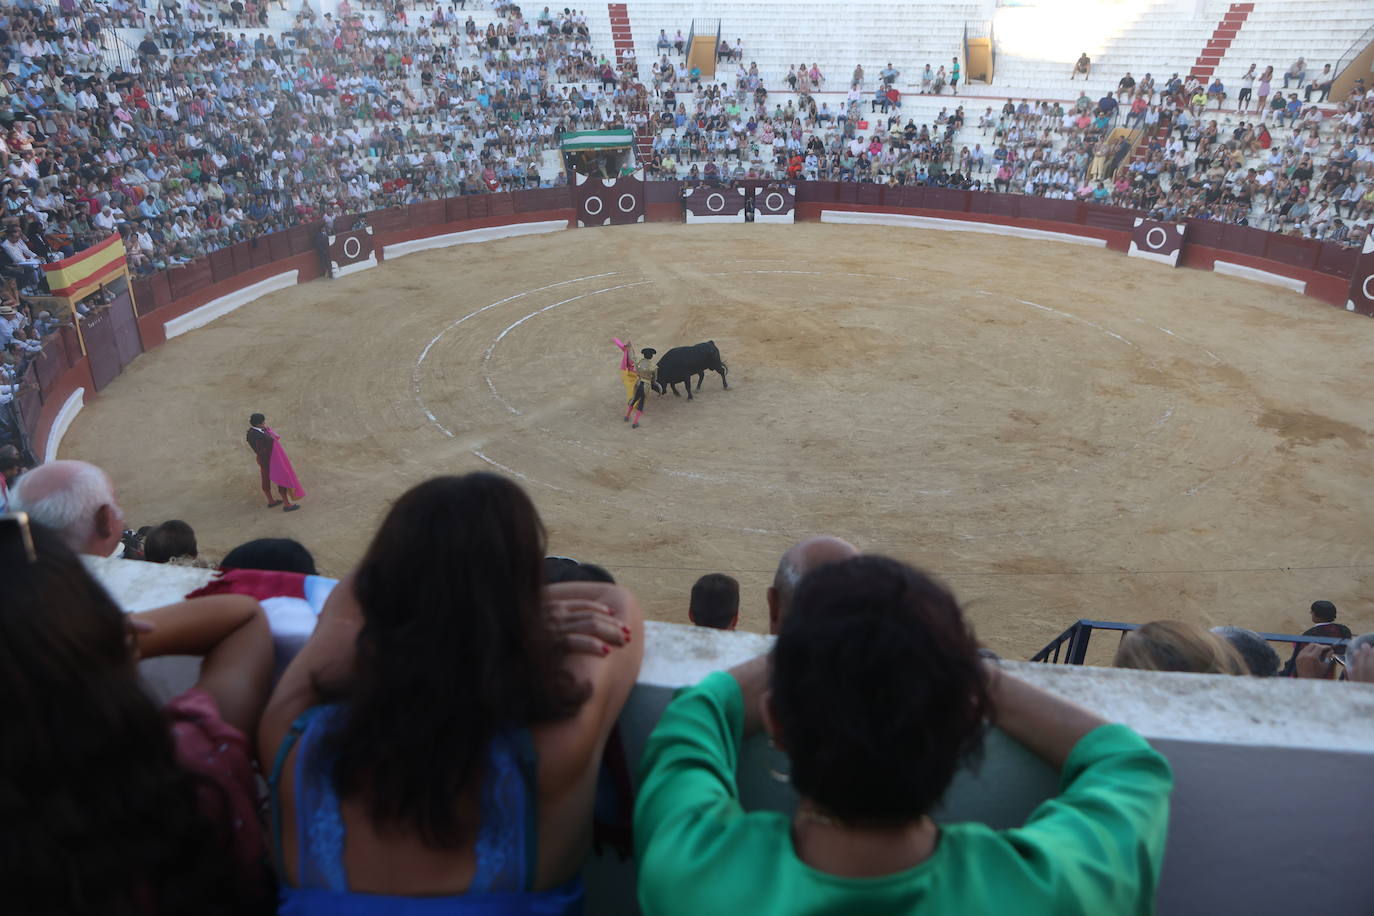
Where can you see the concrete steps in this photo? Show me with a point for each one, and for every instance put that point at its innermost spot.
(1223, 35)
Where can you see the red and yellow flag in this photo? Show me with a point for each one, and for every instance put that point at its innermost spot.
(83, 272)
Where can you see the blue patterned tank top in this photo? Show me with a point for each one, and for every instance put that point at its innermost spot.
(506, 849)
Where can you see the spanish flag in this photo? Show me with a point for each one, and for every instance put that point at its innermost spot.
(83, 272)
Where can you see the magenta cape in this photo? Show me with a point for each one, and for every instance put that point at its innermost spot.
(281, 471)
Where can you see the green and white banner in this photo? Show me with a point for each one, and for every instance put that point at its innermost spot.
(598, 139)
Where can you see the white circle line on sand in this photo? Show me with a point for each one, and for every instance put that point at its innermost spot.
(424, 354)
(1159, 423)
(1214, 357)
(491, 386)
(1070, 315)
(486, 357)
(811, 273)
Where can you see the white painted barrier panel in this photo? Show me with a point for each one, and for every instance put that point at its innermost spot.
(468, 236)
(63, 421)
(955, 225)
(1259, 276)
(218, 308)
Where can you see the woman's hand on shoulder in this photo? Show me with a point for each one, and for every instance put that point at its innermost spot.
(585, 620)
(606, 648)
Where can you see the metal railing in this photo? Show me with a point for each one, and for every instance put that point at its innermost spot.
(981, 29)
(703, 27)
(1073, 642)
(1352, 52)
(128, 59)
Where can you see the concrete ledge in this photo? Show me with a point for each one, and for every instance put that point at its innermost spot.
(956, 225)
(63, 421)
(218, 308)
(1259, 276)
(468, 236)
(138, 586)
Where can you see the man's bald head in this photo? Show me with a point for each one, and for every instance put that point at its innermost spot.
(799, 560)
(74, 499)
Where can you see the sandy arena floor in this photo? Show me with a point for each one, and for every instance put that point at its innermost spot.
(1058, 431)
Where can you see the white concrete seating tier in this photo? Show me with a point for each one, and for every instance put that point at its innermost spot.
(1276, 34)
(1037, 47)
(778, 34)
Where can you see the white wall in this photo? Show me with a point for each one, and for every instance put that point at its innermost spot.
(1273, 801)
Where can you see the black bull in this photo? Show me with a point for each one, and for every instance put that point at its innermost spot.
(679, 364)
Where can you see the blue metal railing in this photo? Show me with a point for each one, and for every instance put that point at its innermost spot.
(1073, 642)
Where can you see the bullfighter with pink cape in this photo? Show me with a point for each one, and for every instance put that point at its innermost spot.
(274, 465)
(627, 369)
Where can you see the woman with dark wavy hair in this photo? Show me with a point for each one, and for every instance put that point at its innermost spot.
(110, 805)
(876, 692)
(439, 736)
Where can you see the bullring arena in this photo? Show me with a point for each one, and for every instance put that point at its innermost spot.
(1066, 302)
(1059, 431)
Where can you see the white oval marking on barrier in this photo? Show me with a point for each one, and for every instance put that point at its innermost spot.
(715, 202)
(773, 207)
(621, 203)
(1150, 237)
(1365, 287)
(588, 206)
(352, 247)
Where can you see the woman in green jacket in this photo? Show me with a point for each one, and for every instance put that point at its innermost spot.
(876, 692)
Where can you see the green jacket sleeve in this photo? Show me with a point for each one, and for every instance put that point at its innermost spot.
(1101, 839)
(687, 792)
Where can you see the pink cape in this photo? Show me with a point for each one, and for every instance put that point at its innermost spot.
(281, 471)
(626, 364)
